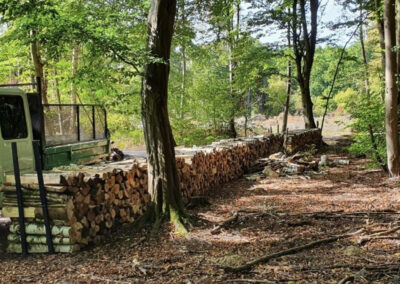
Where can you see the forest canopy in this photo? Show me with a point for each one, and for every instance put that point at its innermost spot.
(231, 62)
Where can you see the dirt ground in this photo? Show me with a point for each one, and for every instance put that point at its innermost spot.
(273, 215)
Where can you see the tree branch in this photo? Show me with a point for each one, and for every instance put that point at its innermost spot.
(293, 250)
(123, 59)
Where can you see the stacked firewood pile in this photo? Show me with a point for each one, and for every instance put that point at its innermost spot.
(299, 140)
(86, 203)
(224, 161)
(82, 209)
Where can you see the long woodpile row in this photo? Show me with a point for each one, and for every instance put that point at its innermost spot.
(221, 162)
(85, 204)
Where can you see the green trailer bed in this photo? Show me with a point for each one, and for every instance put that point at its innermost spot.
(76, 153)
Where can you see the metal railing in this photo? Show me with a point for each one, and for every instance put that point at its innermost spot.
(71, 123)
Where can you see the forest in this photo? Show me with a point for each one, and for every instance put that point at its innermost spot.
(225, 62)
(254, 141)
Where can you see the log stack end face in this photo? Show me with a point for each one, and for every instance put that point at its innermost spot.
(300, 140)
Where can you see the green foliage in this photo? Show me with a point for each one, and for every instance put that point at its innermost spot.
(276, 91)
(111, 36)
(128, 139)
(346, 100)
(367, 111)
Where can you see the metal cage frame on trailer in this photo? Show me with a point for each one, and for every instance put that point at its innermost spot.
(78, 116)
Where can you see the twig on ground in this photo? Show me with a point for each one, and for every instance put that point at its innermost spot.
(379, 235)
(294, 250)
(224, 224)
(393, 230)
(138, 242)
(253, 213)
(347, 279)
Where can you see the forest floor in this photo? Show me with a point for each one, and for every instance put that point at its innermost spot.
(273, 215)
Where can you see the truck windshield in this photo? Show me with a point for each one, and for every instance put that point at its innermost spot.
(12, 118)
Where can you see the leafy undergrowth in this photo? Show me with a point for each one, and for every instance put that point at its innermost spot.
(273, 215)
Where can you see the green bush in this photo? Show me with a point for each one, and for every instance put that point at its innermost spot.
(346, 99)
(198, 137)
(367, 111)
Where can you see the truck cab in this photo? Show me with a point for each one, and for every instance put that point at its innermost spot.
(15, 125)
(68, 134)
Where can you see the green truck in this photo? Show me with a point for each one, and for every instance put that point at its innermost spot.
(67, 133)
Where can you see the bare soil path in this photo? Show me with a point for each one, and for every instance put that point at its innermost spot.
(273, 215)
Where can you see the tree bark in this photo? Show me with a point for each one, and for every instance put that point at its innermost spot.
(304, 51)
(391, 117)
(232, 129)
(232, 66)
(57, 87)
(247, 113)
(261, 102)
(398, 51)
(261, 95)
(163, 184)
(288, 84)
(39, 68)
(74, 92)
(381, 30)
(183, 85)
(183, 56)
(363, 53)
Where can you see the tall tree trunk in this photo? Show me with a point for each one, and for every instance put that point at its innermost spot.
(261, 102)
(261, 96)
(232, 66)
(247, 112)
(183, 56)
(75, 65)
(288, 84)
(18, 73)
(57, 87)
(391, 116)
(232, 129)
(287, 102)
(398, 51)
(74, 92)
(39, 68)
(162, 172)
(381, 30)
(307, 104)
(304, 51)
(183, 85)
(364, 54)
